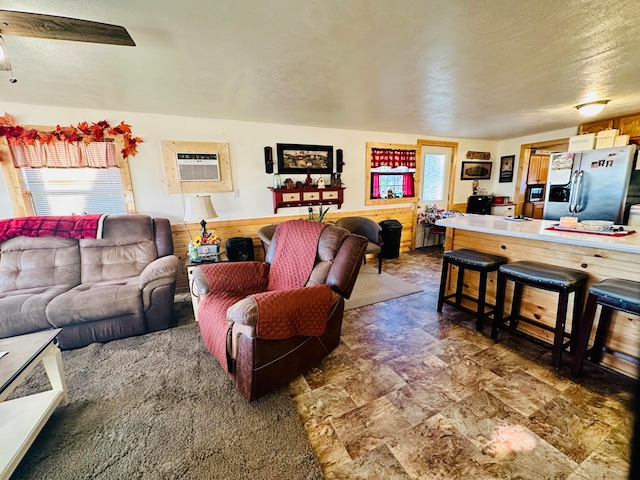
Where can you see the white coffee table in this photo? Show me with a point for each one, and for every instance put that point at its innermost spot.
(21, 419)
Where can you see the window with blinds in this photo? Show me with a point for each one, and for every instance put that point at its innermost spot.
(74, 191)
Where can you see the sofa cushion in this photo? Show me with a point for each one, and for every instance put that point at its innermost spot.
(95, 301)
(23, 311)
(27, 262)
(112, 259)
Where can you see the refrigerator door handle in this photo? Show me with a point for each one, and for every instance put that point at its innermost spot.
(572, 193)
(577, 207)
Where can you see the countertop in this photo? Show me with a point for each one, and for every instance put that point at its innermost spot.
(536, 230)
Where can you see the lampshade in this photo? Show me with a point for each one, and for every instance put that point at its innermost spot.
(199, 208)
(592, 108)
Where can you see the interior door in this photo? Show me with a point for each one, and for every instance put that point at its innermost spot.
(434, 184)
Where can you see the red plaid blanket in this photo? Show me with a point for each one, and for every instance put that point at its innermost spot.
(80, 226)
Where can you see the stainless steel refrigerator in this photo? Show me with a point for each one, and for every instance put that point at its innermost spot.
(590, 185)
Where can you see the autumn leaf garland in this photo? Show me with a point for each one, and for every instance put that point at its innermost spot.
(17, 135)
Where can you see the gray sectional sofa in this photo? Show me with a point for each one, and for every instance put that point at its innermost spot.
(96, 290)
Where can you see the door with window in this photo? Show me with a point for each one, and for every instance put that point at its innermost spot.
(434, 185)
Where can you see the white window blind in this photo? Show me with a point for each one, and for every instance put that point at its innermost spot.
(74, 191)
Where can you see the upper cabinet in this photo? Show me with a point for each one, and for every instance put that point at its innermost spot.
(538, 169)
(628, 125)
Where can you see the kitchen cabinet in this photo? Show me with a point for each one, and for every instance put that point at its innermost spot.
(533, 210)
(595, 127)
(630, 126)
(296, 197)
(538, 168)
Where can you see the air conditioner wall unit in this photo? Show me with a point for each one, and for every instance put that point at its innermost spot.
(198, 167)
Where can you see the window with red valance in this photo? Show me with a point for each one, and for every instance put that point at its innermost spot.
(392, 172)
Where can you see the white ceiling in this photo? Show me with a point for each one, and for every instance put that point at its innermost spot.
(491, 69)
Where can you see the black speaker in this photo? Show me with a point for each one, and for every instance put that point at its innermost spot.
(268, 160)
(240, 249)
(339, 161)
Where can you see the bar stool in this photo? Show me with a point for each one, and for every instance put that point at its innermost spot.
(466, 259)
(564, 281)
(611, 294)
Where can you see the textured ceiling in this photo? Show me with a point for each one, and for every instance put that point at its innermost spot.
(490, 69)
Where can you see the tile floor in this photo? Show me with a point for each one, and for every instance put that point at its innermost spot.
(413, 394)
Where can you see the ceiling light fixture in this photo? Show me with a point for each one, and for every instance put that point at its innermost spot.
(5, 64)
(592, 108)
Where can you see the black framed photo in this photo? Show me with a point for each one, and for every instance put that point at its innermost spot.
(295, 158)
(506, 168)
(476, 171)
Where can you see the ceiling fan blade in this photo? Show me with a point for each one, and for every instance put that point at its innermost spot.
(24, 24)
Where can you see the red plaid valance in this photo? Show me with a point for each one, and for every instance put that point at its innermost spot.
(390, 157)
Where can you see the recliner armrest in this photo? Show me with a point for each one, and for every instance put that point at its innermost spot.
(163, 268)
(232, 277)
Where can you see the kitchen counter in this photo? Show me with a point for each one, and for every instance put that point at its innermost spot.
(536, 230)
(600, 256)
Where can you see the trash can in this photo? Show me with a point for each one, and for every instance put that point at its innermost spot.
(391, 232)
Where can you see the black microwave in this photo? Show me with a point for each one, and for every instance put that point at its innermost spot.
(535, 193)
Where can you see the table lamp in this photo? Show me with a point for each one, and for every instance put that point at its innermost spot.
(200, 207)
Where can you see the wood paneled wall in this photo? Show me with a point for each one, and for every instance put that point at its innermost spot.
(182, 233)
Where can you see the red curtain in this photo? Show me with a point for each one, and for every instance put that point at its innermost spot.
(376, 186)
(407, 184)
(388, 157)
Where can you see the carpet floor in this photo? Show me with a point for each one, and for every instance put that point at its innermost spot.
(372, 287)
(160, 407)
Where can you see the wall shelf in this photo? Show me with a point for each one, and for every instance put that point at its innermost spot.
(298, 197)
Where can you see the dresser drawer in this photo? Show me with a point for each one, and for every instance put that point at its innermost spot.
(329, 195)
(311, 196)
(290, 197)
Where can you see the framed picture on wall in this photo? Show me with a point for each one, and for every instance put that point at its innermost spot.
(476, 171)
(506, 168)
(295, 158)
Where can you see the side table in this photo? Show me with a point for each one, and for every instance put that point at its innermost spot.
(191, 265)
(22, 418)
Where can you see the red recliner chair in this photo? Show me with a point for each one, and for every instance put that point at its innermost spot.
(268, 322)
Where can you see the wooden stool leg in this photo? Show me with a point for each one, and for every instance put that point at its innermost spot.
(601, 333)
(561, 319)
(460, 285)
(498, 313)
(578, 300)
(443, 283)
(515, 305)
(584, 332)
(482, 293)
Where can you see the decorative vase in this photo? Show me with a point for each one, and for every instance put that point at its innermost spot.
(276, 181)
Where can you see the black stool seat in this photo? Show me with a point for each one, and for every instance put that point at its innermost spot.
(546, 277)
(471, 258)
(540, 273)
(615, 290)
(611, 294)
(466, 259)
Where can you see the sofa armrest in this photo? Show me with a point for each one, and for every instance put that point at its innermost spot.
(232, 277)
(164, 268)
